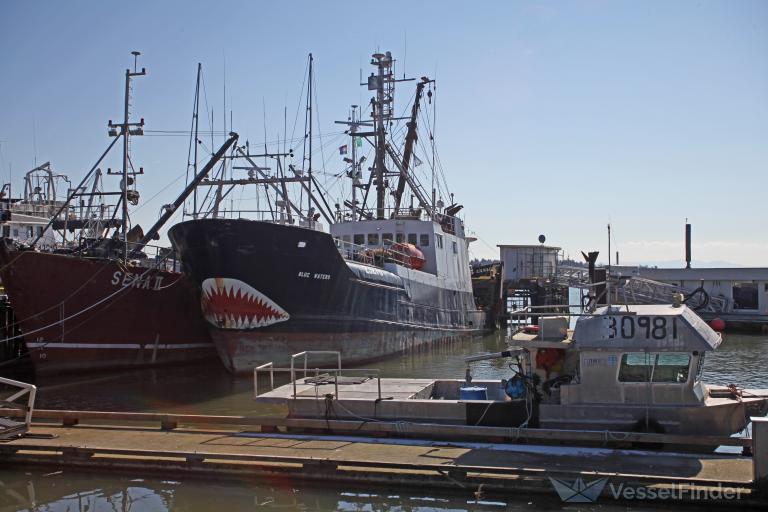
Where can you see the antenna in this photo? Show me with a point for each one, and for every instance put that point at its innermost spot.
(608, 273)
(135, 59)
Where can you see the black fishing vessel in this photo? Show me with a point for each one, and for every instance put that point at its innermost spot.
(381, 281)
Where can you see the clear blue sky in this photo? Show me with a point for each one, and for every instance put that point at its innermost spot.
(554, 117)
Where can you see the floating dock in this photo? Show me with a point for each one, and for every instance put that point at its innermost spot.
(241, 447)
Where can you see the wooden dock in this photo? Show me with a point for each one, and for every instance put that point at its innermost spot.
(209, 446)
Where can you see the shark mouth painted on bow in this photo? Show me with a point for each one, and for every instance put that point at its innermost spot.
(232, 304)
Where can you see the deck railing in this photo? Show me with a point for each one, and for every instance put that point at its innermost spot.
(25, 389)
(305, 370)
(376, 256)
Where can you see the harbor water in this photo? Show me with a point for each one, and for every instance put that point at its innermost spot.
(209, 389)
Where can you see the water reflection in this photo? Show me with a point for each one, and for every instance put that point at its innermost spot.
(84, 492)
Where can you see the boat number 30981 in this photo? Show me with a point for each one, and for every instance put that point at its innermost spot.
(648, 327)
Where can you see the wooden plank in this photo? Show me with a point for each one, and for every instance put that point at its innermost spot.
(428, 430)
(315, 464)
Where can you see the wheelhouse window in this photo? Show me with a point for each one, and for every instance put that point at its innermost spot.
(700, 366)
(399, 238)
(387, 238)
(346, 238)
(745, 295)
(412, 238)
(424, 240)
(373, 239)
(359, 239)
(636, 367)
(672, 367)
(646, 367)
(438, 241)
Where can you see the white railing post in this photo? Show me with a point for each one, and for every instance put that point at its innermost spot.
(760, 453)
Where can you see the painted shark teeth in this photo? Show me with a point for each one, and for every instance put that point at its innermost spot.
(230, 303)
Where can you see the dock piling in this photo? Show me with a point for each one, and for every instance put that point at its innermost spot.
(760, 453)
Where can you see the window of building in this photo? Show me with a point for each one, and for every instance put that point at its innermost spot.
(646, 367)
(386, 238)
(373, 239)
(438, 241)
(399, 238)
(424, 240)
(412, 238)
(359, 239)
(744, 295)
(455, 248)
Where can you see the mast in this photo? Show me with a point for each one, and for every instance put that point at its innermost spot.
(309, 109)
(354, 172)
(195, 121)
(382, 111)
(127, 132)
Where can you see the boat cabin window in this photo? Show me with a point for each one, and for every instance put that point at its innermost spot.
(412, 238)
(700, 366)
(424, 240)
(39, 230)
(373, 239)
(438, 241)
(30, 231)
(346, 238)
(387, 238)
(359, 239)
(399, 238)
(15, 233)
(647, 367)
(455, 248)
(6, 231)
(744, 295)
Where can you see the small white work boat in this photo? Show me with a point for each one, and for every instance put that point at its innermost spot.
(622, 368)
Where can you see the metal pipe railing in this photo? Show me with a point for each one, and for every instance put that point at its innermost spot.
(29, 389)
(335, 372)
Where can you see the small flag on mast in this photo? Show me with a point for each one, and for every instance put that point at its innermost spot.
(343, 150)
